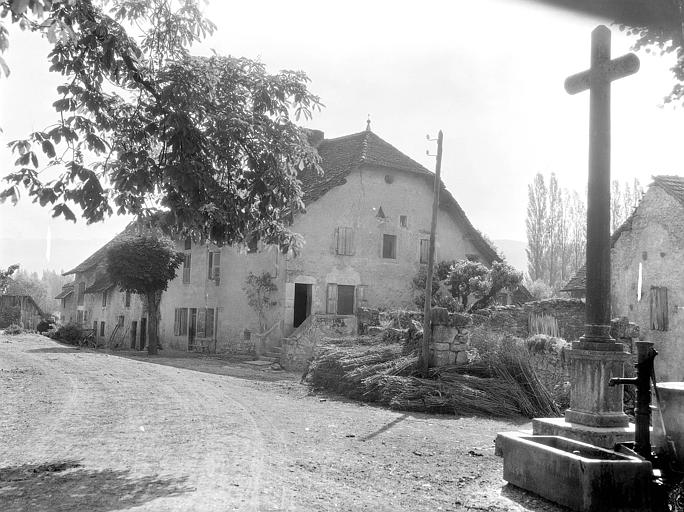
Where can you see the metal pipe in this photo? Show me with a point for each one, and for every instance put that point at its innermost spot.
(642, 381)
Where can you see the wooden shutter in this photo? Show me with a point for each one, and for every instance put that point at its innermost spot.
(201, 322)
(209, 326)
(176, 322)
(331, 305)
(210, 265)
(183, 329)
(349, 241)
(659, 309)
(361, 300)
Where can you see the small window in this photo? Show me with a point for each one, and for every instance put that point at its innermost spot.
(188, 244)
(659, 309)
(424, 250)
(186, 268)
(389, 246)
(104, 299)
(127, 300)
(214, 267)
(403, 221)
(381, 214)
(102, 328)
(120, 321)
(345, 241)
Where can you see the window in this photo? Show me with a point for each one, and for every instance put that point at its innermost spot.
(188, 244)
(403, 221)
(345, 241)
(95, 328)
(104, 299)
(659, 311)
(127, 300)
(186, 268)
(180, 322)
(380, 214)
(81, 293)
(102, 328)
(389, 246)
(424, 250)
(120, 321)
(205, 323)
(214, 267)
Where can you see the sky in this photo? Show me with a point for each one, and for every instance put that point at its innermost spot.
(489, 73)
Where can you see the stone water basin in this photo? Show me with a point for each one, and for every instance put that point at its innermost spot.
(575, 474)
(672, 410)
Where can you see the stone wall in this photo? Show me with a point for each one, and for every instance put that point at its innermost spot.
(561, 318)
(450, 337)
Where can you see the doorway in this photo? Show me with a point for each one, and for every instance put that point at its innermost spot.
(192, 328)
(302, 303)
(345, 299)
(143, 333)
(134, 333)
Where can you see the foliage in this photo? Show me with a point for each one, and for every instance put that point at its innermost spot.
(502, 276)
(69, 333)
(6, 278)
(14, 329)
(201, 146)
(144, 264)
(539, 290)
(557, 223)
(9, 315)
(467, 278)
(259, 290)
(43, 326)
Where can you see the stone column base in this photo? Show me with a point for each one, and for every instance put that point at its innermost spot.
(605, 437)
(592, 402)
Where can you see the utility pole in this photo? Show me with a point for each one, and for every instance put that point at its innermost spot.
(427, 311)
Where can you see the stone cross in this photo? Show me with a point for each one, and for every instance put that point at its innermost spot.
(597, 79)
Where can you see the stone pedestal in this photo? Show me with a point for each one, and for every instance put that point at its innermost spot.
(595, 415)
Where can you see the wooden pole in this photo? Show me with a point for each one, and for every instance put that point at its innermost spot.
(427, 311)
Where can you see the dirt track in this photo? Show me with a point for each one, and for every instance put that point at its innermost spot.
(95, 431)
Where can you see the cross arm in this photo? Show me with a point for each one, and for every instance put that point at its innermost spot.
(609, 71)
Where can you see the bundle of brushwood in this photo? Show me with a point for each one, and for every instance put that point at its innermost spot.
(501, 383)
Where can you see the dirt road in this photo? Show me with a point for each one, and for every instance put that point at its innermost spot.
(95, 431)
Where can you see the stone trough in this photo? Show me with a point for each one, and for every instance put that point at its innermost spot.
(575, 474)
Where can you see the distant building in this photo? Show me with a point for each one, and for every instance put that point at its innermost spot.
(22, 309)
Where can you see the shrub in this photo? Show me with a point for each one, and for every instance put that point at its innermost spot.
(43, 326)
(51, 333)
(14, 329)
(9, 315)
(69, 333)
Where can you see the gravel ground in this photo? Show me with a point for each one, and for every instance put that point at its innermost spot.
(84, 430)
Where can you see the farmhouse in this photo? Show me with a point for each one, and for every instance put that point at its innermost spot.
(647, 272)
(366, 231)
(21, 309)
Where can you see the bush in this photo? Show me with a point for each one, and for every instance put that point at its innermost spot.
(51, 333)
(69, 333)
(9, 315)
(43, 326)
(14, 329)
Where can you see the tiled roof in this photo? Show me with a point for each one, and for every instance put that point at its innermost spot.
(97, 256)
(673, 185)
(578, 281)
(67, 290)
(102, 283)
(340, 156)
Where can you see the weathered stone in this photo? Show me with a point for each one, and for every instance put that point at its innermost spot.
(440, 316)
(441, 346)
(460, 319)
(462, 357)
